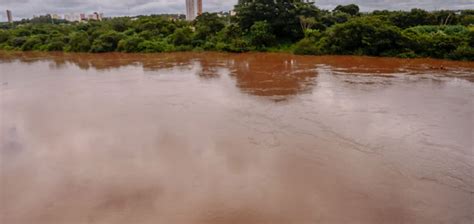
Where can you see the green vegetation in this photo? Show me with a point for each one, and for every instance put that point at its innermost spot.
(260, 25)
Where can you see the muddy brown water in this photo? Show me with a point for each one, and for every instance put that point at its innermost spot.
(248, 138)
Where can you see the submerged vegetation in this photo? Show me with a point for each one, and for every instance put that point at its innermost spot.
(260, 25)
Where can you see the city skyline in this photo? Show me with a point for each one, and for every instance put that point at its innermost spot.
(28, 8)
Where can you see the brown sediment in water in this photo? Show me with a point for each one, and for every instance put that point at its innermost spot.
(234, 138)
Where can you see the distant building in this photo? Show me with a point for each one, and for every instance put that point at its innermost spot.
(199, 7)
(193, 6)
(9, 16)
(82, 17)
(97, 16)
(190, 10)
(55, 16)
(72, 17)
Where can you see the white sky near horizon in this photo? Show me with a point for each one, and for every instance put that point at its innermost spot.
(28, 8)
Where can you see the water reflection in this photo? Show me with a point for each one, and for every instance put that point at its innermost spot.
(278, 76)
(357, 65)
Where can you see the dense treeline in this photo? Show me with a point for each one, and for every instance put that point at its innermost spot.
(260, 25)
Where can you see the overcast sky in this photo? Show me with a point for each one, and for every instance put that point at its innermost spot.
(28, 8)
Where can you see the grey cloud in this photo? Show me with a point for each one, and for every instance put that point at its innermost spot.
(28, 8)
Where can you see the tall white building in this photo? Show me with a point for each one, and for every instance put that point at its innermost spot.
(193, 6)
(190, 10)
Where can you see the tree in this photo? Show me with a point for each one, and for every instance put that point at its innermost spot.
(351, 9)
(462, 53)
(207, 25)
(306, 47)
(307, 22)
(231, 39)
(444, 17)
(55, 45)
(281, 15)
(17, 42)
(182, 36)
(107, 42)
(471, 37)
(154, 46)
(32, 43)
(130, 44)
(363, 36)
(436, 41)
(415, 17)
(230, 32)
(78, 42)
(4, 36)
(258, 25)
(119, 24)
(311, 44)
(467, 20)
(261, 35)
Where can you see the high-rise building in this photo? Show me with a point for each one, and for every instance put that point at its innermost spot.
(199, 7)
(97, 16)
(9, 16)
(191, 7)
(190, 10)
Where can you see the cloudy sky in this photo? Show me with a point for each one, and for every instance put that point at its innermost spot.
(28, 8)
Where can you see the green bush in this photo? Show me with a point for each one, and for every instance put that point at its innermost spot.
(154, 46)
(78, 42)
(239, 45)
(147, 35)
(207, 25)
(17, 42)
(182, 36)
(435, 41)
(235, 45)
(21, 32)
(4, 36)
(55, 46)
(107, 42)
(363, 36)
(130, 44)
(32, 43)
(261, 35)
(183, 48)
(462, 53)
(471, 37)
(306, 46)
(7, 47)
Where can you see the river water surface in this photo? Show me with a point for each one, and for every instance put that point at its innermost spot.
(254, 138)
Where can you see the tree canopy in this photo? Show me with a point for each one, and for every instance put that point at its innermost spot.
(259, 25)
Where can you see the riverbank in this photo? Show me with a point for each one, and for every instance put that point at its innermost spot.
(285, 50)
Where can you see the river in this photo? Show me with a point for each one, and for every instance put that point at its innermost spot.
(250, 138)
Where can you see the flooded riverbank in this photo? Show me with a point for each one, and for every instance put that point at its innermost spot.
(235, 138)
